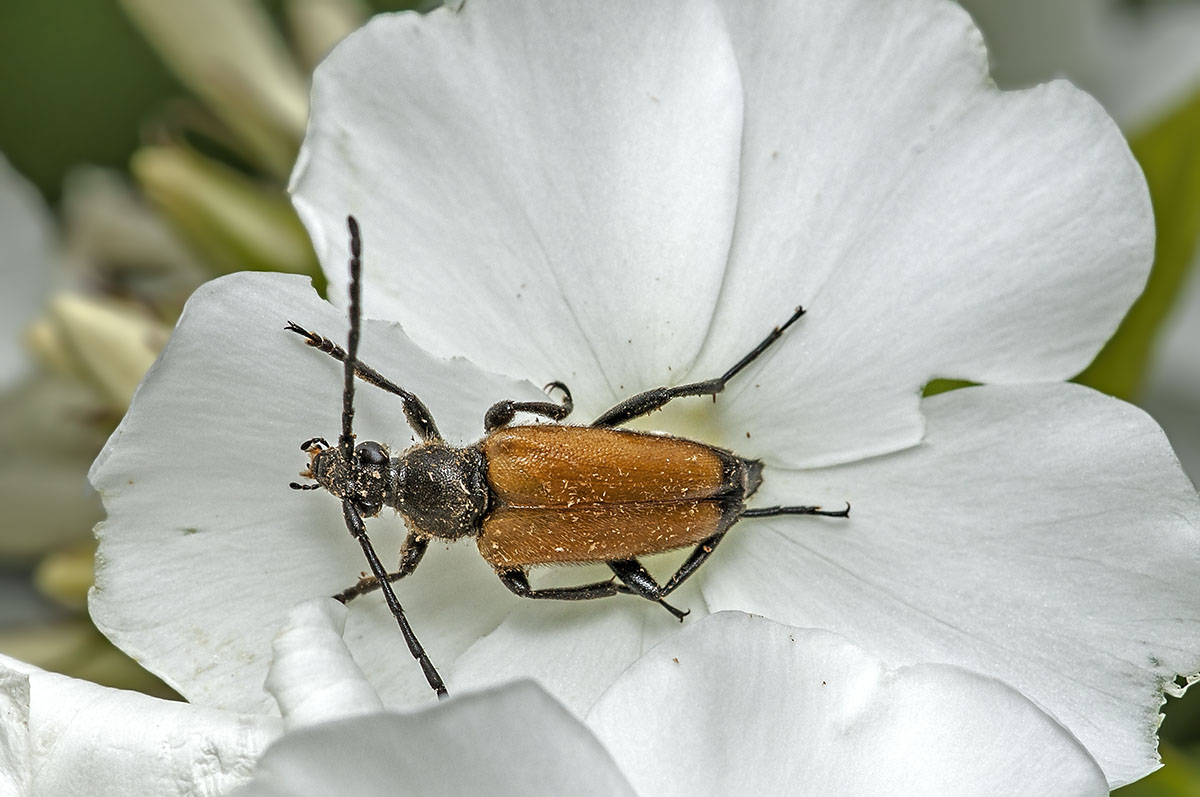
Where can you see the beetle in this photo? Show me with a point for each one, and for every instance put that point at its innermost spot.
(530, 495)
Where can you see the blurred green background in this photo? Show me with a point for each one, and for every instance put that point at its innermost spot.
(78, 82)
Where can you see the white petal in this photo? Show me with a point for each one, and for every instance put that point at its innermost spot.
(1041, 535)
(313, 676)
(741, 705)
(206, 550)
(549, 189)
(15, 756)
(510, 741)
(25, 253)
(81, 738)
(932, 225)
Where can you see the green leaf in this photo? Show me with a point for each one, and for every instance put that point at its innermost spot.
(1179, 777)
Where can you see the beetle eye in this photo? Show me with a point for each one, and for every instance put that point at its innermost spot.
(371, 454)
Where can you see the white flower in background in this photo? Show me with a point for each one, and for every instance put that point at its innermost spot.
(619, 197)
(71, 361)
(46, 437)
(1138, 59)
(41, 489)
(685, 719)
(117, 244)
(68, 359)
(1172, 391)
(25, 233)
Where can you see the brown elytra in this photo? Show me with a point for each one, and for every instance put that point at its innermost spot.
(577, 494)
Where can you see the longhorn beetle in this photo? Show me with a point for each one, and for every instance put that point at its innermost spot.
(537, 495)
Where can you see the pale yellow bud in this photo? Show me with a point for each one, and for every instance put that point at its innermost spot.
(236, 223)
(230, 55)
(317, 25)
(110, 345)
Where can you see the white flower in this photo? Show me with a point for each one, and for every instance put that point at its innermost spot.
(46, 436)
(622, 196)
(25, 230)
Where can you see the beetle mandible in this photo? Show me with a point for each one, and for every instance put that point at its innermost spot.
(537, 495)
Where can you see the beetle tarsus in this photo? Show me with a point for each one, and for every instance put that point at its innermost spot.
(567, 400)
(677, 613)
(773, 511)
(501, 413)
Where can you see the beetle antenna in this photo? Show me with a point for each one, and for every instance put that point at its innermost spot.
(354, 523)
(346, 441)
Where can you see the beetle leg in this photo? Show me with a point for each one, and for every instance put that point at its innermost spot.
(418, 415)
(410, 556)
(502, 412)
(705, 548)
(638, 582)
(699, 556)
(772, 511)
(653, 399)
(518, 583)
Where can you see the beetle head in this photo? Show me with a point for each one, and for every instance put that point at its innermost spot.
(366, 478)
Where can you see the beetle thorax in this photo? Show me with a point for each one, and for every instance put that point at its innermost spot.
(440, 490)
